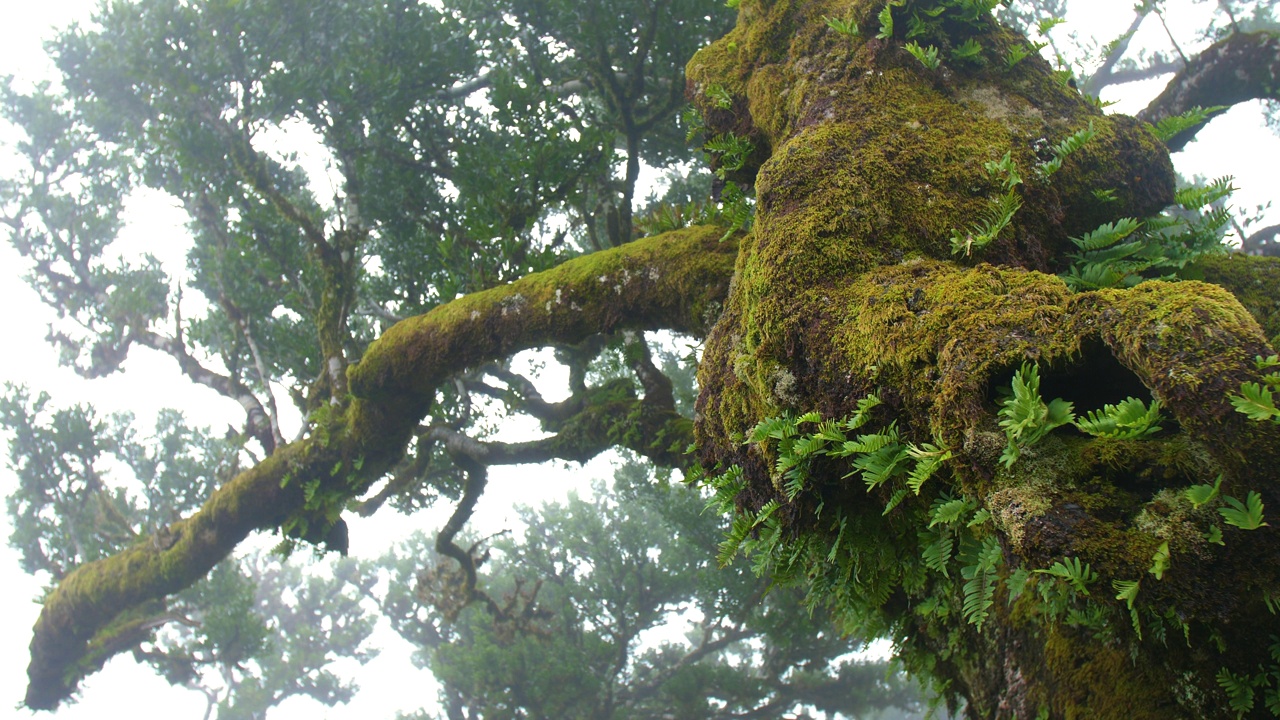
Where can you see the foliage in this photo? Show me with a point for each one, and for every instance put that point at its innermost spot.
(1024, 415)
(1130, 418)
(594, 580)
(1126, 252)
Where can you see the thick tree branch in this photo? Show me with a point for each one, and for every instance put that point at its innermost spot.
(1242, 67)
(672, 281)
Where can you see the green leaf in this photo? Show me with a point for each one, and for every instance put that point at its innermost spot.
(947, 512)
(1047, 24)
(1200, 494)
(1160, 561)
(848, 28)
(1214, 535)
(1025, 417)
(937, 551)
(886, 22)
(970, 51)
(1129, 419)
(1239, 691)
(1246, 515)
(1078, 574)
(1256, 401)
(928, 57)
(980, 586)
(1126, 590)
(1169, 127)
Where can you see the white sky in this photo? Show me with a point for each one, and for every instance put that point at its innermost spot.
(1234, 144)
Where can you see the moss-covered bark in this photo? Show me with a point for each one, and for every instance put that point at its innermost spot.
(867, 163)
(676, 280)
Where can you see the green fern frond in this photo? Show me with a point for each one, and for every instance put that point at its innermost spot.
(1025, 417)
(1239, 691)
(1169, 127)
(946, 511)
(1245, 515)
(970, 51)
(1075, 573)
(937, 551)
(1257, 401)
(1160, 561)
(980, 587)
(928, 57)
(1199, 495)
(1128, 419)
(1107, 234)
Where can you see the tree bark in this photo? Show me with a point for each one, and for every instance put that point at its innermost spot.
(1239, 68)
(847, 287)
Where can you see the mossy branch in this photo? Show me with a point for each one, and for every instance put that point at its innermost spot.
(674, 281)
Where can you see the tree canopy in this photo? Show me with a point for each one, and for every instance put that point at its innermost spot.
(908, 209)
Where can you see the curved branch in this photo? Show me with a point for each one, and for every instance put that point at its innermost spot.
(1242, 67)
(258, 424)
(676, 281)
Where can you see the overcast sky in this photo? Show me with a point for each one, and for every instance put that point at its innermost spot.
(1234, 144)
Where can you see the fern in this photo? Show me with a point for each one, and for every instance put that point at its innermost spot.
(737, 209)
(948, 511)
(995, 218)
(720, 97)
(1199, 495)
(886, 22)
(1047, 24)
(928, 57)
(1062, 150)
(1245, 515)
(928, 459)
(1127, 590)
(1239, 691)
(969, 51)
(1160, 561)
(1257, 401)
(937, 551)
(1025, 417)
(979, 586)
(1170, 127)
(848, 28)
(733, 151)
(1078, 575)
(1107, 235)
(1129, 419)
(880, 466)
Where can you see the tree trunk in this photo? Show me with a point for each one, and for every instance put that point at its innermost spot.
(848, 286)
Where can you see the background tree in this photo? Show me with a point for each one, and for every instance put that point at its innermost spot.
(568, 625)
(183, 99)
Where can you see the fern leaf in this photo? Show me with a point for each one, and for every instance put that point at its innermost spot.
(1160, 561)
(947, 512)
(1126, 590)
(1169, 127)
(1256, 401)
(1130, 418)
(1246, 515)
(937, 551)
(1200, 494)
(896, 499)
(1107, 235)
(1239, 691)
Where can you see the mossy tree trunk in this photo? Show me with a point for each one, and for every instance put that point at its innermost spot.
(867, 162)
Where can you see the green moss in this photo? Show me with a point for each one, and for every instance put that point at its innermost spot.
(1255, 281)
